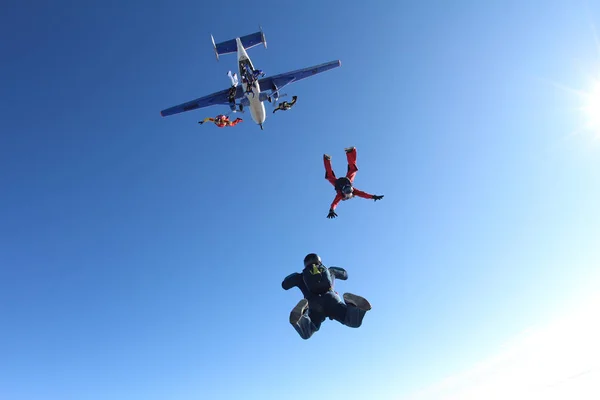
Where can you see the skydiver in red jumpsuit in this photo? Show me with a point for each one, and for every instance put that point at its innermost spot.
(343, 186)
(221, 121)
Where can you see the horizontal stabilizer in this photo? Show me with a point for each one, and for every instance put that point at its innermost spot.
(248, 41)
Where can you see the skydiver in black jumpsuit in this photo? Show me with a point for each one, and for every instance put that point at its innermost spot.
(285, 105)
(320, 300)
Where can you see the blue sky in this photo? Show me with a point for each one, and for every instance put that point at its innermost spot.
(141, 257)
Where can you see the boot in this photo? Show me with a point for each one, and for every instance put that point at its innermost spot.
(356, 309)
(357, 301)
(300, 320)
(298, 311)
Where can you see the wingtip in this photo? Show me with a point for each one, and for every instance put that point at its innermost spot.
(214, 47)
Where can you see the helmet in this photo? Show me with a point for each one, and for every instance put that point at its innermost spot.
(311, 258)
(347, 190)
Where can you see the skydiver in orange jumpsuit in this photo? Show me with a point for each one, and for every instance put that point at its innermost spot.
(221, 121)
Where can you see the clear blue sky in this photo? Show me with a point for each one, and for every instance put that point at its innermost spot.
(141, 257)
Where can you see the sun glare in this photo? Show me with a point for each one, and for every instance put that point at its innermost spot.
(591, 108)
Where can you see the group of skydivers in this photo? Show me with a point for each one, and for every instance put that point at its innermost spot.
(315, 281)
(249, 77)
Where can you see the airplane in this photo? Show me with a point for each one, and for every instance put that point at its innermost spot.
(252, 92)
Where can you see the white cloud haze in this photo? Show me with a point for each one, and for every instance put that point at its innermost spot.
(559, 361)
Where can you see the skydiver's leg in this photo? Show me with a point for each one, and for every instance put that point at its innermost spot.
(231, 96)
(234, 123)
(356, 309)
(294, 98)
(275, 109)
(304, 321)
(334, 306)
(329, 174)
(233, 80)
(352, 168)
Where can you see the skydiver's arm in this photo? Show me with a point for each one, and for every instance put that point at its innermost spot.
(362, 194)
(339, 273)
(291, 280)
(336, 201)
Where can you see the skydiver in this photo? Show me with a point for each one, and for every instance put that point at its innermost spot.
(321, 301)
(248, 75)
(285, 105)
(231, 95)
(343, 186)
(221, 121)
(258, 73)
(233, 91)
(231, 98)
(250, 88)
(234, 78)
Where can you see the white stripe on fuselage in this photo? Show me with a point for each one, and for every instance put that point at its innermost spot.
(257, 108)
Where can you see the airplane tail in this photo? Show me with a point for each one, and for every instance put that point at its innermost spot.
(230, 46)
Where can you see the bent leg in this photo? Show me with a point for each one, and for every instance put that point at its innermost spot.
(334, 307)
(352, 168)
(305, 327)
(329, 174)
(304, 320)
(234, 123)
(350, 313)
(356, 309)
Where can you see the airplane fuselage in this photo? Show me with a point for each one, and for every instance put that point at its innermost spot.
(257, 108)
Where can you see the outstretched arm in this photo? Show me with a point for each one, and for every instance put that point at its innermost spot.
(365, 195)
(336, 201)
(332, 214)
(362, 194)
(339, 273)
(290, 281)
(206, 120)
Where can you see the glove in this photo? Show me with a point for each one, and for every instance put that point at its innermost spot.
(331, 214)
(375, 197)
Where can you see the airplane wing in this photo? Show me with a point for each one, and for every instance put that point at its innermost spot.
(273, 83)
(206, 101)
(276, 82)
